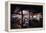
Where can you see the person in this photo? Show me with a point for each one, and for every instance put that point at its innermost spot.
(26, 23)
(30, 23)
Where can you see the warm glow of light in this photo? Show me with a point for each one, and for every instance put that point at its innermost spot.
(34, 16)
(25, 12)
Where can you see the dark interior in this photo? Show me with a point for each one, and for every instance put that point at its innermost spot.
(26, 16)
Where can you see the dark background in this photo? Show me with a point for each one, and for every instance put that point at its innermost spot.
(33, 8)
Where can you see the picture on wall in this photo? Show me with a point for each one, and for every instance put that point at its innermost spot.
(25, 16)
